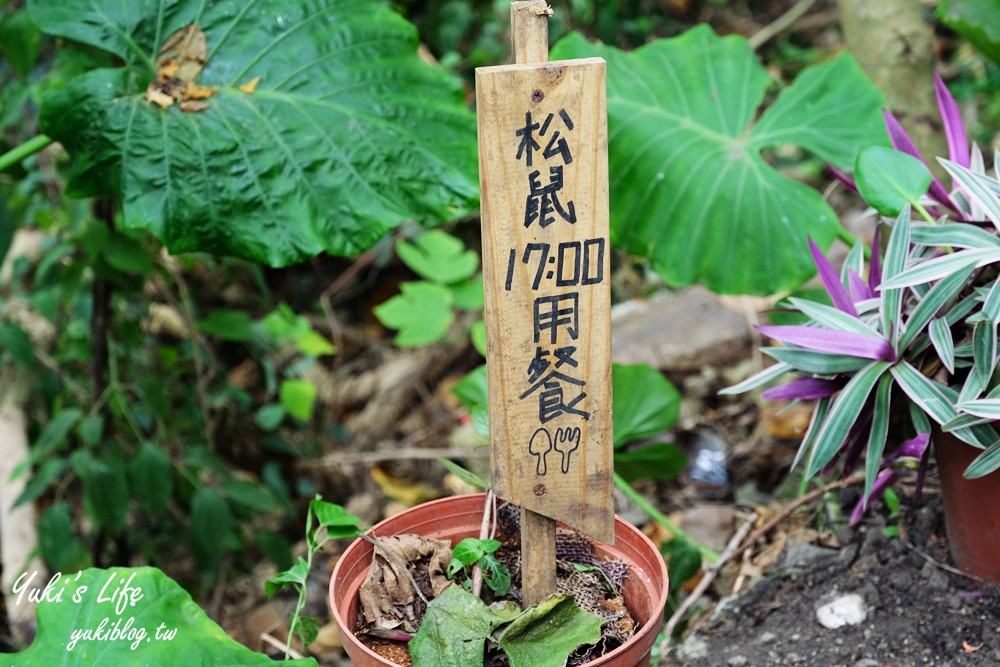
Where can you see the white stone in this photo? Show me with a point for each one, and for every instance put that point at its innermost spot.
(844, 610)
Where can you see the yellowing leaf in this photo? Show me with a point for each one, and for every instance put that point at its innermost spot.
(158, 97)
(184, 54)
(406, 492)
(196, 92)
(250, 85)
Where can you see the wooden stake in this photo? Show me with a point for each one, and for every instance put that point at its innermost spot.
(529, 34)
(546, 267)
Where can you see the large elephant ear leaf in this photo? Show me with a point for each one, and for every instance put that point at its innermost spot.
(294, 127)
(689, 187)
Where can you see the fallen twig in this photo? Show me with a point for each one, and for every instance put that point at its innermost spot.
(484, 532)
(339, 459)
(281, 646)
(711, 572)
(945, 566)
(779, 25)
(805, 499)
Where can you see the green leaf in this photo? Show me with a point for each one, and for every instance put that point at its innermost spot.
(878, 434)
(294, 576)
(270, 416)
(54, 435)
(692, 191)
(471, 549)
(956, 234)
(831, 318)
(784, 314)
(467, 476)
(439, 257)
(312, 344)
(943, 291)
(307, 629)
(422, 314)
(19, 40)
(890, 180)
(983, 190)
(152, 477)
(59, 546)
(478, 334)
(545, 635)
(659, 460)
(942, 266)
(481, 420)
(47, 474)
(495, 574)
(472, 389)
(126, 255)
(15, 342)
(985, 463)
(256, 496)
(820, 363)
(105, 493)
(91, 429)
(468, 294)
(337, 521)
(645, 403)
(843, 413)
(298, 397)
(769, 374)
(896, 253)
(454, 631)
(164, 623)
(234, 325)
(944, 344)
(683, 561)
(977, 21)
(211, 522)
(347, 133)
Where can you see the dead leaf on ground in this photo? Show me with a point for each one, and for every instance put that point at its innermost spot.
(196, 92)
(388, 599)
(158, 97)
(250, 85)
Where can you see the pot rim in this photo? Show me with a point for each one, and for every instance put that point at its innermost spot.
(652, 624)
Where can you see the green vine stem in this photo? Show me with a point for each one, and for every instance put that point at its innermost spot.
(25, 150)
(658, 516)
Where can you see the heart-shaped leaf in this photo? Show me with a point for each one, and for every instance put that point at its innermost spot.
(438, 256)
(689, 187)
(422, 313)
(976, 20)
(309, 125)
(130, 616)
(890, 180)
(645, 403)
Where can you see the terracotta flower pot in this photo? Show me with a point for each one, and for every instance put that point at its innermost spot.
(459, 517)
(971, 518)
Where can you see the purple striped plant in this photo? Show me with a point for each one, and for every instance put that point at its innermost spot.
(912, 340)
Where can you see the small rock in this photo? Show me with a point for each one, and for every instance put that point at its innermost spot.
(801, 554)
(844, 610)
(901, 581)
(866, 662)
(766, 638)
(693, 648)
(737, 661)
(936, 579)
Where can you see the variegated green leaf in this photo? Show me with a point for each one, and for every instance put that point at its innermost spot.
(940, 267)
(965, 421)
(986, 408)
(878, 434)
(830, 317)
(984, 356)
(844, 412)
(820, 412)
(944, 345)
(895, 262)
(819, 363)
(981, 188)
(955, 235)
(985, 463)
(943, 291)
(769, 374)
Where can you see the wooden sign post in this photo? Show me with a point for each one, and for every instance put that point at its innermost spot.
(546, 262)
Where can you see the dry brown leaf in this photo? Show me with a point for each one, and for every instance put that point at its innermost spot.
(195, 92)
(167, 71)
(158, 97)
(387, 595)
(408, 492)
(250, 85)
(187, 50)
(193, 106)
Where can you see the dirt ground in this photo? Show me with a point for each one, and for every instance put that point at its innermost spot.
(918, 612)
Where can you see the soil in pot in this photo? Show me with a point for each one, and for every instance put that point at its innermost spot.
(453, 519)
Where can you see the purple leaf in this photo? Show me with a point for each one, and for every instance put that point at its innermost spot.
(804, 389)
(954, 128)
(831, 281)
(901, 142)
(882, 482)
(914, 447)
(875, 266)
(846, 180)
(857, 439)
(836, 342)
(859, 288)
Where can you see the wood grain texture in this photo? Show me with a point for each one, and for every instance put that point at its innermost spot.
(538, 557)
(546, 264)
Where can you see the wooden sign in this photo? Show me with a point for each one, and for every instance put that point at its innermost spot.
(546, 263)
